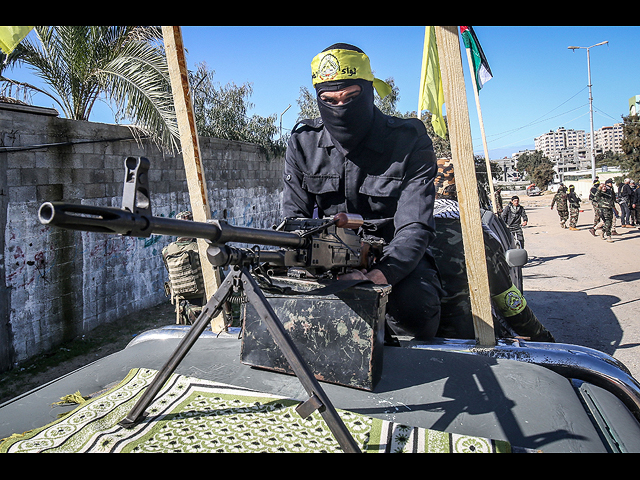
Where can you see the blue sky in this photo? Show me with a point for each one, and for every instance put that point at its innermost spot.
(538, 83)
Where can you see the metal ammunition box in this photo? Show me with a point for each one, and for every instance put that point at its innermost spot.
(340, 336)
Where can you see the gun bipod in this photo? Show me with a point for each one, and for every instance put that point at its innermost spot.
(240, 277)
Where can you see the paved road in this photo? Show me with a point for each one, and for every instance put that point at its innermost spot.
(584, 290)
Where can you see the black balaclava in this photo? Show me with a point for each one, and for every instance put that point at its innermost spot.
(347, 124)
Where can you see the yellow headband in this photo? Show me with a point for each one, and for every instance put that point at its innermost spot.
(339, 64)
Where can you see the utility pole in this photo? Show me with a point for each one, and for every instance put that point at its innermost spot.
(593, 155)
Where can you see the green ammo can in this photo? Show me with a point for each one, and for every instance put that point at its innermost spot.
(340, 336)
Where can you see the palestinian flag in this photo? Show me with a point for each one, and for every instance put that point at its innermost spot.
(481, 68)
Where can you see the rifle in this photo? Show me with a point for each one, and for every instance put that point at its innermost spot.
(322, 246)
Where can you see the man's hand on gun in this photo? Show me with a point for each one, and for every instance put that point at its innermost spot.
(375, 275)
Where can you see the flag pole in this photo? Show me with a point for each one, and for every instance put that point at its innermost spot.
(466, 183)
(484, 139)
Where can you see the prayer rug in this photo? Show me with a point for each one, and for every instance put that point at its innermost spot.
(193, 415)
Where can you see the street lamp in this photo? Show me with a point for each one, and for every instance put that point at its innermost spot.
(285, 111)
(593, 156)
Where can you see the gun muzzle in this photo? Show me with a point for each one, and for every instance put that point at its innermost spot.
(92, 219)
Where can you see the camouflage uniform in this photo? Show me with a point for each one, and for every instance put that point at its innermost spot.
(186, 283)
(445, 182)
(594, 204)
(560, 201)
(605, 201)
(456, 318)
(574, 208)
(498, 200)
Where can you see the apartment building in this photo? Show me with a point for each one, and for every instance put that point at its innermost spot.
(553, 144)
(607, 138)
(565, 143)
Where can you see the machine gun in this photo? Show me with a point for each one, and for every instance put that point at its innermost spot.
(321, 247)
(325, 247)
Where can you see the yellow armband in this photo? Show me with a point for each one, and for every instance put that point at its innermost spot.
(510, 302)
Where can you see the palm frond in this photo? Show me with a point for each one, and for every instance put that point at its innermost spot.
(137, 80)
(124, 63)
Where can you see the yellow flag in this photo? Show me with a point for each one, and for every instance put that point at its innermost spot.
(431, 93)
(10, 37)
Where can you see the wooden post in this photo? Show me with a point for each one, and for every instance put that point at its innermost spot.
(466, 184)
(484, 138)
(194, 169)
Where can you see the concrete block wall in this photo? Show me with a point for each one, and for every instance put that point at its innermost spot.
(59, 284)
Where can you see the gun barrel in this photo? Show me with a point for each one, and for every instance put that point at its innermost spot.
(123, 222)
(222, 255)
(230, 233)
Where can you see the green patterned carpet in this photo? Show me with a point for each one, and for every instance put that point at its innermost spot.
(191, 415)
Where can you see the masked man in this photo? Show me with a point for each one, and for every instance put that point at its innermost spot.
(355, 159)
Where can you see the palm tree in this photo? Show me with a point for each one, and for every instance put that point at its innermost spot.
(126, 64)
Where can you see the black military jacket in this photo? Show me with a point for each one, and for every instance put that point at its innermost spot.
(388, 180)
(512, 217)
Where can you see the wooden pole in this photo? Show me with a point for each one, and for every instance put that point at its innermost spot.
(484, 138)
(194, 169)
(466, 184)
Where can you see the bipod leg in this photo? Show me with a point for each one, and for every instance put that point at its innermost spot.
(209, 311)
(318, 399)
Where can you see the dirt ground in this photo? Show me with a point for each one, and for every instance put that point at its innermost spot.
(584, 290)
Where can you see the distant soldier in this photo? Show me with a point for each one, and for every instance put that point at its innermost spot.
(594, 204)
(574, 207)
(626, 201)
(635, 204)
(605, 197)
(560, 201)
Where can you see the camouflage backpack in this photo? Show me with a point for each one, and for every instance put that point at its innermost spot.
(186, 283)
(183, 264)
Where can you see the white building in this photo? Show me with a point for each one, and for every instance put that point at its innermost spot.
(607, 138)
(563, 142)
(552, 144)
